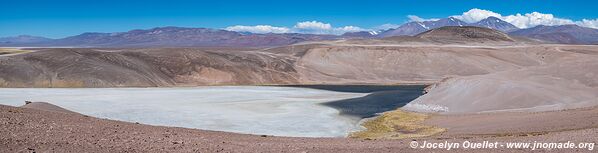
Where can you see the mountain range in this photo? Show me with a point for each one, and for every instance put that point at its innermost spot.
(416, 27)
(176, 37)
(567, 34)
(205, 37)
(23, 39)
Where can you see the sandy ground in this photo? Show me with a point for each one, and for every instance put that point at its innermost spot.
(568, 83)
(509, 123)
(34, 130)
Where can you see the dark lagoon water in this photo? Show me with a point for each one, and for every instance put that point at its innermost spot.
(381, 98)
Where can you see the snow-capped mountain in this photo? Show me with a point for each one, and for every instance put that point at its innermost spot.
(414, 28)
(361, 34)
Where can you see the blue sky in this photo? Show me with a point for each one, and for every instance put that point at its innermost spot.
(60, 18)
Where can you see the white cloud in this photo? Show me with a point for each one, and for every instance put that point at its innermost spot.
(258, 29)
(475, 15)
(315, 27)
(306, 27)
(312, 27)
(418, 19)
(588, 23)
(526, 20)
(349, 29)
(534, 19)
(386, 26)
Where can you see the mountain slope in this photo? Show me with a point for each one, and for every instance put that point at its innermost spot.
(567, 84)
(321, 63)
(205, 37)
(407, 29)
(84, 67)
(495, 23)
(360, 34)
(23, 39)
(414, 28)
(560, 34)
(450, 21)
(180, 37)
(464, 35)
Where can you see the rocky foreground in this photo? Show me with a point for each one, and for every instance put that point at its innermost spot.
(37, 129)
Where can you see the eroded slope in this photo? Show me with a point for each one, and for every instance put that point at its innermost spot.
(570, 83)
(142, 67)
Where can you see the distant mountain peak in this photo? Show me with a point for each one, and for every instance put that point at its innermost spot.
(492, 18)
(495, 23)
(450, 21)
(414, 28)
(423, 25)
(452, 18)
(572, 26)
(361, 34)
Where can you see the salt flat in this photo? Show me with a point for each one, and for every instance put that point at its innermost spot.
(280, 111)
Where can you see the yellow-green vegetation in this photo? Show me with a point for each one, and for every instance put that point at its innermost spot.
(397, 124)
(5, 51)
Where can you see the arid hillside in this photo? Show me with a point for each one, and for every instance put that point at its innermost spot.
(330, 63)
(425, 58)
(569, 83)
(334, 63)
(143, 67)
(415, 64)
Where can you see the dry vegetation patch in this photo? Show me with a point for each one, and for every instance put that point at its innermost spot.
(7, 51)
(397, 124)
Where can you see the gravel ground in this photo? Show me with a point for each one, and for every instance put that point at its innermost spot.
(34, 130)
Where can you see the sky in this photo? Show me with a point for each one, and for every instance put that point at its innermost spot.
(62, 18)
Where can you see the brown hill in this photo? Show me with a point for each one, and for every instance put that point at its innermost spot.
(465, 34)
(297, 64)
(142, 67)
(566, 84)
